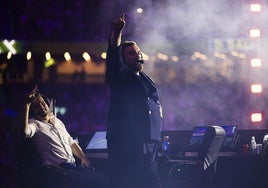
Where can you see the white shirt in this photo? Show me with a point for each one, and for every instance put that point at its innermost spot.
(53, 142)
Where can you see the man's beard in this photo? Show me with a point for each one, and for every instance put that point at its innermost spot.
(137, 68)
(40, 115)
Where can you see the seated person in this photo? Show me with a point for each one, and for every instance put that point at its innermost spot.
(55, 145)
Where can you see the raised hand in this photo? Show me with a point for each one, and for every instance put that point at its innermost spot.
(119, 23)
(32, 95)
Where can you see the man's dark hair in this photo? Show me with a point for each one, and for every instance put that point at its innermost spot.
(127, 44)
(45, 98)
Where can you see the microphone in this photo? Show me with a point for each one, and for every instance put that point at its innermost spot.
(140, 60)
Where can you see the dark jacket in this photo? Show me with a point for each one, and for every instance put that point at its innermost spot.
(135, 110)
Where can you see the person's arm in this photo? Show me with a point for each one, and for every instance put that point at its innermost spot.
(29, 99)
(78, 152)
(118, 25)
(26, 117)
(115, 68)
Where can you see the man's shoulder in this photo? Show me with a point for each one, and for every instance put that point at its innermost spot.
(34, 121)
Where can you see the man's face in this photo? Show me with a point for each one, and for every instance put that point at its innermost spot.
(131, 55)
(39, 107)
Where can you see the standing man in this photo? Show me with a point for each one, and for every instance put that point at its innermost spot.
(135, 116)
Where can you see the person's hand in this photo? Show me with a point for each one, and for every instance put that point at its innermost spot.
(32, 95)
(85, 163)
(119, 23)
